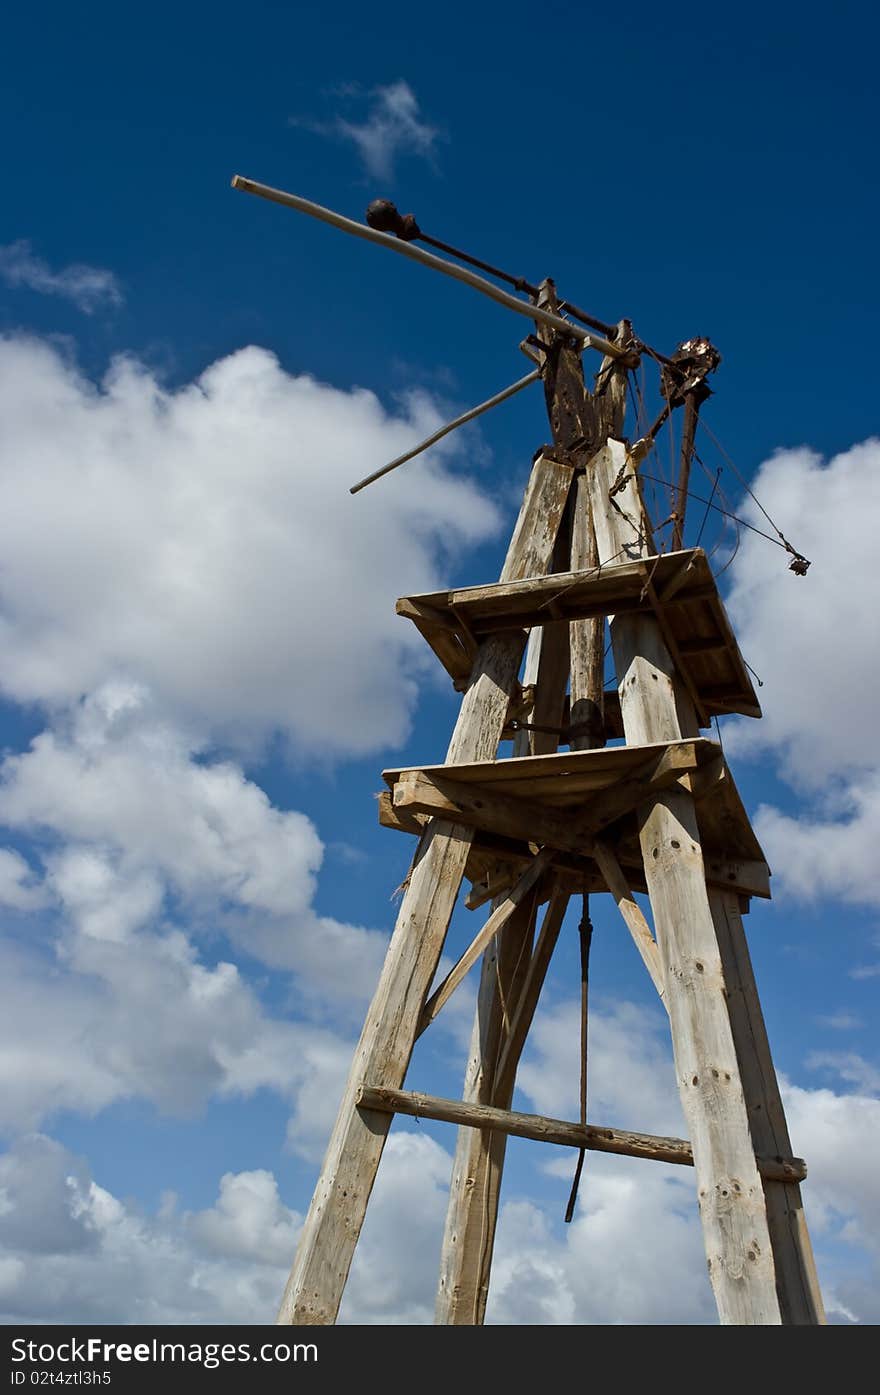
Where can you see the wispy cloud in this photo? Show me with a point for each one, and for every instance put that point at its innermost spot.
(841, 1022)
(89, 288)
(850, 1067)
(391, 126)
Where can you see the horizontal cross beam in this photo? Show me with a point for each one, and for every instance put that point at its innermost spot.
(594, 1137)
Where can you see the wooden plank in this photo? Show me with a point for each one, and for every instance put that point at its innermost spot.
(741, 875)
(655, 707)
(525, 816)
(593, 770)
(678, 587)
(596, 1138)
(582, 592)
(496, 920)
(797, 1284)
(628, 906)
(335, 1216)
(550, 680)
(479, 806)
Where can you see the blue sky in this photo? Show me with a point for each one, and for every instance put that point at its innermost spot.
(202, 674)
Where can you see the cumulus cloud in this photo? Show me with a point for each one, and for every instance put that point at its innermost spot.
(152, 1020)
(76, 1253)
(202, 543)
(89, 288)
(631, 1075)
(806, 639)
(839, 1135)
(114, 779)
(391, 126)
(633, 1254)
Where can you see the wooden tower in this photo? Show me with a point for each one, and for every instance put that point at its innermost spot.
(658, 813)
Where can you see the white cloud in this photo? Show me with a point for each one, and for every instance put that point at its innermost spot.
(119, 779)
(249, 1220)
(810, 641)
(392, 126)
(150, 1019)
(802, 634)
(90, 288)
(839, 1135)
(202, 543)
(75, 1253)
(849, 1066)
(632, 1255)
(631, 1078)
(841, 1021)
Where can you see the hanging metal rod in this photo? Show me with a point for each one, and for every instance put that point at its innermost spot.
(384, 216)
(450, 426)
(417, 254)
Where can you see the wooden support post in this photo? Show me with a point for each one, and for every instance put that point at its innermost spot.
(797, 1285)
(655, 706)
(469, 1235)
(337, 1210)
(578, 425)
(608, 409)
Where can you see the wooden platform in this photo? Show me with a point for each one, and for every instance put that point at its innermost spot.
(677, 587)
(565, 800)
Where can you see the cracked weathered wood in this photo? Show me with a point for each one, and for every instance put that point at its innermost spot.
(469, 1232)
(597, 1138)
(656, 707)
(336, 1214)
(797, 1284)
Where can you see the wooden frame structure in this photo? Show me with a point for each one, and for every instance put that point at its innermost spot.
(659, 814)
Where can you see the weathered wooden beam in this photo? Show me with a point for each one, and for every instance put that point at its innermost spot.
(743, 876)
(481, 806)
(528, 1001)
(475, 1184)
(335, 1216)
(469, 1232)
(596, 1138)
(631, 912)
(656, 706)
(797, 1284)
(529, 820)
(481, 940)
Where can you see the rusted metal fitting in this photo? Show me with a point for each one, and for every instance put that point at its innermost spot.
(687, 370)
(383, 216)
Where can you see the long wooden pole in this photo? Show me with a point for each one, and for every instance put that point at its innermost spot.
(479, 1160)
(797, 1284)
(418, 254)
(436, 436)
(656, 707)
(497, 1037)
(337, 1210)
